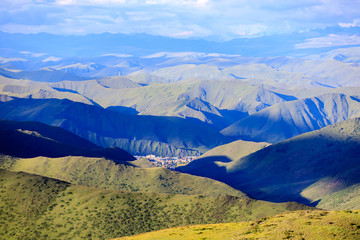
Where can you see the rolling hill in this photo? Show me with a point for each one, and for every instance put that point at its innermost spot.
(103, 173)
(305, 168)
(35, 207)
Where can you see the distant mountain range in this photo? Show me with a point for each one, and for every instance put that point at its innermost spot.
(143, 44)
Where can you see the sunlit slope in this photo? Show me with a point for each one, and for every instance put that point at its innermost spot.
(312, 225)
(97, 172)
(35, 207)
(32, 139)
(305, 168)
(139, 135)
(235, 150)
(239, 95)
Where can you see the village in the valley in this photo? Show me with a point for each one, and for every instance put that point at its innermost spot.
(168, 162)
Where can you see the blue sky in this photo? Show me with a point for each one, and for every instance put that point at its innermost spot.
(209, 19)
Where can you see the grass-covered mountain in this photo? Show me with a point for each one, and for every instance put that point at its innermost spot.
(235, 150)
(129, 176)
(37, 148)
(21, 88)
(35, 207)
(32, 139)
(312, 225)
(306, 168)
(139, 135)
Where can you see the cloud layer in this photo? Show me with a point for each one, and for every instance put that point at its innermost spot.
(220, 19)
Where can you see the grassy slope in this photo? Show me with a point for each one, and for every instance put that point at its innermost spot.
(348, 198)
(291, 225)
(35, 207)
(98, 172)
(235, 150)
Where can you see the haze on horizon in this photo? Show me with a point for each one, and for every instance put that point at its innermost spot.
(204, 19)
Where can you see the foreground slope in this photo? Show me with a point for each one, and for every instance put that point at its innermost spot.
(305, 168)
(310, 225)
(139, 135)
(35, 207)
(32, 139)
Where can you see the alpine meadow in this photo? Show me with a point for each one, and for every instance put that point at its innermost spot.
(188, 119)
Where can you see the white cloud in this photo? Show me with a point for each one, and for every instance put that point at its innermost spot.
(178, 18)
(184, 34)
(33, 54)
(354, 23)
(51, 59)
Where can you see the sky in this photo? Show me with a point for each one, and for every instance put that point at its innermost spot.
(207, 19)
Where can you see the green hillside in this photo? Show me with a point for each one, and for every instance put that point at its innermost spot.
(99, 172)
(311, 225)
(235, 150)
(35, 207)
(305, 168)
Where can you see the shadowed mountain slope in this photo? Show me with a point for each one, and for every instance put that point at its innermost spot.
(32, 139)
(305, 168)
(285, 120)
(139, 135)
(35, 207)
